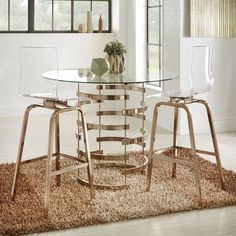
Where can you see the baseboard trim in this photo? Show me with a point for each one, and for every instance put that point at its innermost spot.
(166, 119)
(19, 111)
(201, 127)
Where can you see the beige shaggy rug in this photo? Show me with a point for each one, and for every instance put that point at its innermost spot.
(70, 204)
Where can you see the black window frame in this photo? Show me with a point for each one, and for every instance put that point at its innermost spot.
(31, 10)
(160, 6)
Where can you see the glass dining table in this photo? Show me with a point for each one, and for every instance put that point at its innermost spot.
(120, 118)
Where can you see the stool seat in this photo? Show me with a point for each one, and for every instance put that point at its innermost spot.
(47, 96)
(183, 94)
(53, 97)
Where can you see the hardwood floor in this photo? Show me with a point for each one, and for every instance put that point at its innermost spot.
(217, 222)
(202, 222)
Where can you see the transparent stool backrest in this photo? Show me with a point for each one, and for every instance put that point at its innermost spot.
(33, 62)
(201, 68)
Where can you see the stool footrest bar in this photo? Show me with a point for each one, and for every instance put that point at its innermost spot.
(67, 169)
(36, 159)
(173, 160)
(197, 151)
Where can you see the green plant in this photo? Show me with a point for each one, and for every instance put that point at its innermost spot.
(115, 48)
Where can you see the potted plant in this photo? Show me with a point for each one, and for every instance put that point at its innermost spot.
(115, 51)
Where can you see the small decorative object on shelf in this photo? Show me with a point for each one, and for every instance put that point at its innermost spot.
(100, 24)
(89, 22)
(82, 28)
(115, 55)
(84, 72)
(99, 66)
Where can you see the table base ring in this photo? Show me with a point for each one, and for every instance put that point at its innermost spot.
(104, 186)
(108, 186)
(127, 170)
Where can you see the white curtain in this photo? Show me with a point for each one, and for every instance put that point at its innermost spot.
(213, 18)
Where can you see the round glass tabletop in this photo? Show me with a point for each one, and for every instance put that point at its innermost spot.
(86, 76)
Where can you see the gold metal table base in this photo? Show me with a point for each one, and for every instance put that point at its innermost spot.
(121, 94)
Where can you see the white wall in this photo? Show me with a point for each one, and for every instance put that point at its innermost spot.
(74, 50)
(128, 24)
(138, 54)
(126, 30)
(120, 17)
(177, 46)
(171, 56)
(222, 97)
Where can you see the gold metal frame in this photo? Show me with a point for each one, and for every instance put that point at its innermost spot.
(113, 160)
(181, 103)
(54, 129)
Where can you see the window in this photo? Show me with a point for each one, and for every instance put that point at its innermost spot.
(52, 15)
(13, 15)
(154, 37)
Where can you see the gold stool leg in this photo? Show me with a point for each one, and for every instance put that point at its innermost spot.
(20, 149)
(214, 141)
(195, 160)
(152, 141)
(176, 115)
(86, 146)
(49, 162)
(57, 146)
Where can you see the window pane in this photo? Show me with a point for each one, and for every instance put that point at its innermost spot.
(153, 2)
(43, 15)
(19, 15)
(52, 15)
(62, 15)
(153, 25)
(100, 7)
(80, 13)
(3, 15)
(153, 61)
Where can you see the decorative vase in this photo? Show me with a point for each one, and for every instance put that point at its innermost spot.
(82, 28)
(99, 66)
(117, 63)
(89, 22)
(100, 24)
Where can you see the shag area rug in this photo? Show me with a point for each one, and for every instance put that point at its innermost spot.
(70, 204)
